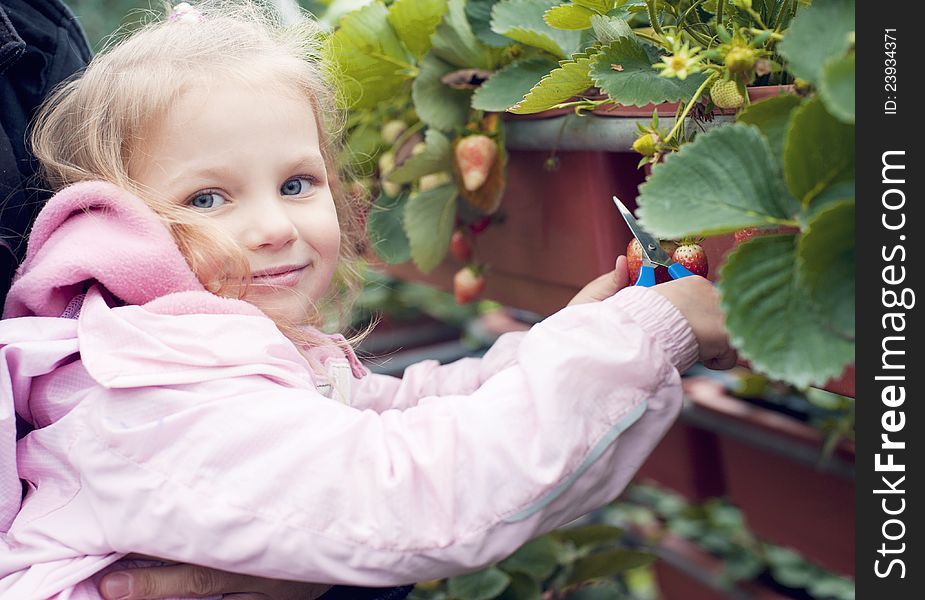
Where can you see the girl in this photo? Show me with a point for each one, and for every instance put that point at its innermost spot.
(161, 339)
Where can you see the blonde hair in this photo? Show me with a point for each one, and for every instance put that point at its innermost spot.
(87, 128)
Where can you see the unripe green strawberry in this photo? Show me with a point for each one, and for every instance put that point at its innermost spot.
(726, 94)
(392, 130)
(645, 144)
(740, 59)
(434, 180)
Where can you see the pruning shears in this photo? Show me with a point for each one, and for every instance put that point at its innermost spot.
(652, 252)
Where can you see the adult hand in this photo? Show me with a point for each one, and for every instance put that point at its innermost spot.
(698, 301)
(606, 285)
(200, 582)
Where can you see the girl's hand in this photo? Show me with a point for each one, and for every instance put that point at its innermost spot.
(200, 582)
(606, 285)
(698, 301)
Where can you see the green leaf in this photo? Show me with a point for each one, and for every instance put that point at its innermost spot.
(338, 8)
(770, 314)
(602, 591)
(837, 87)
(537, 558)
(771, 116)
(385, 230)
(455, 43)
(415, 21)
(608, 564)
(479, 13)
(724, 180)
(437, 104)
(818, 33)
(509, 85)
(589, 535)
(561, 84)
(522, 587)
(636, 82)
(569, 16)
(609, 29)
(818, 151)
(483, 585)
(437, 156)
(522, 20)
(599, 6)
(369, 56)
(429, 220)
(826, 264)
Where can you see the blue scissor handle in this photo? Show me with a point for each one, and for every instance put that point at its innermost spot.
(646, 276)
(677, 271)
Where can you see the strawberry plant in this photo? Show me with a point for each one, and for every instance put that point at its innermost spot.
(783, 177)
(424, 79)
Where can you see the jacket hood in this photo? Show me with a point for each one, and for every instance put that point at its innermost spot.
(96, 232)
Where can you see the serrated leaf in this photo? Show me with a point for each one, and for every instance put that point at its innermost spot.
(509, 85)
(561, 84)
(836, 87)
(826, 264)
(771, 317)
(724, 180)
(482, 585)
(522, 20)
(429, 219)
(385, 229)
(589, 535)
(479, 14)
(369, 57)
(608, 564)
(600, 6)
(569, 16)
(608, 29)
(809, 165)
(636, 83)
(437, 156)
(438, 105)
(771, 116)
(537, 558)
(415, 21)
(455, 43)
(522, 587)
(818, 33)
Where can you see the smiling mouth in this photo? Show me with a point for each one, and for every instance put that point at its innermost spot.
(287, 276)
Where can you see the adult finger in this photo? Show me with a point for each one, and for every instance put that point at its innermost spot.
(175, 580)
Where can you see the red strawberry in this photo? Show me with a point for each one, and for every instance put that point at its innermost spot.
(477, 227)
(634, 260)
(693, 257)
(460, 247)
(475, 155)
(468, 283)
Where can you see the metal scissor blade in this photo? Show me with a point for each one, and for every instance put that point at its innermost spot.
(650, 244)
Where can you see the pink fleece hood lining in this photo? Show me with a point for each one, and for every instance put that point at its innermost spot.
(96, 231)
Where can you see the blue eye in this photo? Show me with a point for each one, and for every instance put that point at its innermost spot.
(206, 200)
(296, 186)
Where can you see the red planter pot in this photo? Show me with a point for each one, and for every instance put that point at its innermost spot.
(774, 471)
(686, 461)
(687, 572)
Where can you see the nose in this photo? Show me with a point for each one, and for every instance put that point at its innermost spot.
(270, 226)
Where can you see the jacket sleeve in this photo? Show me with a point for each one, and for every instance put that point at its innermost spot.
(430, 378)
(254, 477)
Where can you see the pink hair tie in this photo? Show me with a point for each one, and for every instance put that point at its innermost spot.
(184, 13)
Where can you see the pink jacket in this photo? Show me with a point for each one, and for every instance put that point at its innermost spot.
(186, 426)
